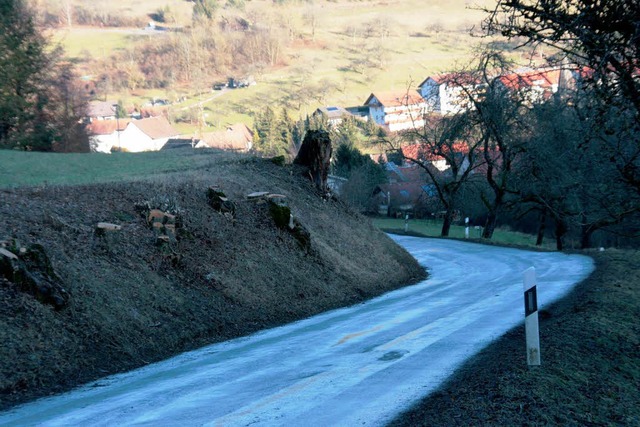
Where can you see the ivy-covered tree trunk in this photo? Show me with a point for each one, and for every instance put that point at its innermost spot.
(490, 225)
(585, 236)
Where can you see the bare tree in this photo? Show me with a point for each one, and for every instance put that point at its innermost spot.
(311, 18)
(601, 37)
(499, 118)
(450, 152)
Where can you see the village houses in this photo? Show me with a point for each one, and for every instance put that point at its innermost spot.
(333, 115)
(104, 134)
(447, 93)
(149, 134)
(397, 111)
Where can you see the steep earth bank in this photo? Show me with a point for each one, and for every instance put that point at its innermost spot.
(78, 302)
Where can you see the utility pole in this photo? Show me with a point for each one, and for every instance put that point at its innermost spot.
(117, 109)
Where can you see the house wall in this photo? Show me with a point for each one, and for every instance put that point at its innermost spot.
(405, 117)
(376, 112)
(103, 143)
(133, 140)
(443, 98)
(397, 118)
(430, 91)
(453, 99)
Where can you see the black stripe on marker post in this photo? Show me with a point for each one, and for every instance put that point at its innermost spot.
(530, 301)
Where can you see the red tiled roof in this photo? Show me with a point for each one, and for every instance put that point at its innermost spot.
(420, 151)
(396, 98)
(106, 127)
(237, 137)
(156, 127)
(456, 78)
(541, 78)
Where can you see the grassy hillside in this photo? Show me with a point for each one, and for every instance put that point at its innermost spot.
(134, 299)
(419, 39)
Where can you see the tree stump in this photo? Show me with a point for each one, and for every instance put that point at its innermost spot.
(315, 154)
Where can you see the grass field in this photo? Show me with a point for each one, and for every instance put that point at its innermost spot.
(19, 169)
(432, 228)
(79, 42)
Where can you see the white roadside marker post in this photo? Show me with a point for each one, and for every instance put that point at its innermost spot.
(466, 228)
(531, 317)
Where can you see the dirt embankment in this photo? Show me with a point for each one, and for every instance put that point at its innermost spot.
(132, 298)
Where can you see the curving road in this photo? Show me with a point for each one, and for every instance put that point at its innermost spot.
(353, 366)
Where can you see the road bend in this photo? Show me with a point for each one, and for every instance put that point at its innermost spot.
(358, 365)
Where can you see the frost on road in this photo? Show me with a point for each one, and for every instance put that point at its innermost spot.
(353, 366)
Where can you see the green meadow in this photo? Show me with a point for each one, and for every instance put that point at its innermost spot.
(432, 228)
(21, 169)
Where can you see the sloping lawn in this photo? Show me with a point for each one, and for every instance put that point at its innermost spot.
(19, 169)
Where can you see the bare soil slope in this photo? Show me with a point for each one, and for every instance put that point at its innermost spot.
(133, 301)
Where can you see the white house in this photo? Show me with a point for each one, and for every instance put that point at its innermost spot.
(149, 134)
(334, 115)
(447, 93)
(104, 134)
(397, 111)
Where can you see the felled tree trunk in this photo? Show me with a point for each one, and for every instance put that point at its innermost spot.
(31, 272)
(315, 154)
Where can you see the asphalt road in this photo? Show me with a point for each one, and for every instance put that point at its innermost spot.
(360, 365)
